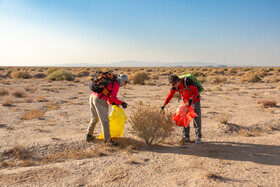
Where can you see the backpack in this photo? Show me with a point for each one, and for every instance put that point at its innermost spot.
(191, 80)
(100, 81)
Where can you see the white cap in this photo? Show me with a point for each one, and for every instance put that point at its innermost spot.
(122, 79)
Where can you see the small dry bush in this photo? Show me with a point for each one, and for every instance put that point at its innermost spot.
(7, 102)
(18, 93)
(33, 114)
(21, 75)
(41, 99)
(250, 132)
(52, 106)
(224, 117)
(216, 79)
(140, 78)
(150, 123)
(217, 88)
(18, 152)
(3, 92)
(59, 75)
(267, 103)
(251, 77)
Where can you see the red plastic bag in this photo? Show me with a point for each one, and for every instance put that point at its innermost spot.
(184, 115)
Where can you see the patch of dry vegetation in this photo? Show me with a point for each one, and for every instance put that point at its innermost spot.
(21, 75)
(18, 93)
(33, 114)
(3, 92)
(140, 78)
(150, 123)
(267, 103)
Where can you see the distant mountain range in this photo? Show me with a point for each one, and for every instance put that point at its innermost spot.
(145, 64)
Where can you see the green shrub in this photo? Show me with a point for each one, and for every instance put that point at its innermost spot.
(59, 75)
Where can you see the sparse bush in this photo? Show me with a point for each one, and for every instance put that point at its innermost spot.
(50, 70)
(18, 152)
(59, 75)
(52, 106)
(151, 124)
(224, 117)
(39, 76)
(3, 92)
(267, 103)
(7, 102)
(140, 78)
(216, 79)
(21, 75)
(83, 73)
(251, 77)
(18, 94)
(33, 114)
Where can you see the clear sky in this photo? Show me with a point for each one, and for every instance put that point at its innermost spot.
(49, 32)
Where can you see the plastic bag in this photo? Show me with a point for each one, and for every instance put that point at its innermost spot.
(184, 115)
(117, 120)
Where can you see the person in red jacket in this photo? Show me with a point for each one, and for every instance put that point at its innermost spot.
(190, 96)
(99, 108)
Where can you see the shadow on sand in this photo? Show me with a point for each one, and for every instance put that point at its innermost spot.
(257, 153)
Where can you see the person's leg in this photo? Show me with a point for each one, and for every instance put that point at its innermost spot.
(197, 120)
(102, 109)
(186, 133)
(94, 117)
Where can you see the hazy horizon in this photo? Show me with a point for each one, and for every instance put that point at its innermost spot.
(49, 33)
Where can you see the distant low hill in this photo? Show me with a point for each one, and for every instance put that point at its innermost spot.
(145, 64)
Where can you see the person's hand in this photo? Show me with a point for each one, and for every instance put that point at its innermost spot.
(124, 104)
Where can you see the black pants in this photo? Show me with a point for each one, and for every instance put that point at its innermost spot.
(196, 122)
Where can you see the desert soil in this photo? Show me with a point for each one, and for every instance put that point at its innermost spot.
(243, 152)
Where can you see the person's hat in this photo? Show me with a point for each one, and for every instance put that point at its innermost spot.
(122, 79)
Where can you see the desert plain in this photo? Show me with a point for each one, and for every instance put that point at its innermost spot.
(43, 125)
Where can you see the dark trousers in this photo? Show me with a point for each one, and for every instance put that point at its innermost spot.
(196, 122)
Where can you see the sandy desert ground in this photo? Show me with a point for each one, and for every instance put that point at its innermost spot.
(51, 150)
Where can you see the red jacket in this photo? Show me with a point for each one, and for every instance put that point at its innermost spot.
(185, 93)
(113, 97)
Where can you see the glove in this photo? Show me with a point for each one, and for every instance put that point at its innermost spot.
(114, 104)
(162, 108)
(190, 102)
(124, 104)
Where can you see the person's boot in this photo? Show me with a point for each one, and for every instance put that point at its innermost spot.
(198, 140)
(110, 142)
(90, 138)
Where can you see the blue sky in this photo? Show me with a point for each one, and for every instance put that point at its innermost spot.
(49, 32)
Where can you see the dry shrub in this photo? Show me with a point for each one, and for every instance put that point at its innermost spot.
(33, 114)
(7, 102)
(250, 132)
(140, 78)
(41, 99)
(217, 88)
(18, 94)
(224, 117)
(52, 106)
(150, 123)
(3, 92)
(216, 79)
(18, 152)
(21, 75)
(251, 77)
(50, 70)
(267, 103)
(59, 75)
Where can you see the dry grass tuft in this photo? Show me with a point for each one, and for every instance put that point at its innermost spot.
(33, 114)
(18, 152)
(251, 132)
(211, 176)
(41, 99)
(140, 78)
(150, 123)
(251, 77)
(52, 106)
(267, 103)
(224, 117)
(21, 75)
(3, 92)
(18, 94)
(7, 102)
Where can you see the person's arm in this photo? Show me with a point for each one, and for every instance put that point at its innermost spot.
(170, 96)
(113, 97)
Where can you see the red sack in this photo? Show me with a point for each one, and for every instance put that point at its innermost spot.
(184, 115)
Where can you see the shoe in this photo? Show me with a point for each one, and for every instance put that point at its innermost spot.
(90, 138)
(185, 140)
(111, 142)
(198, 140)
